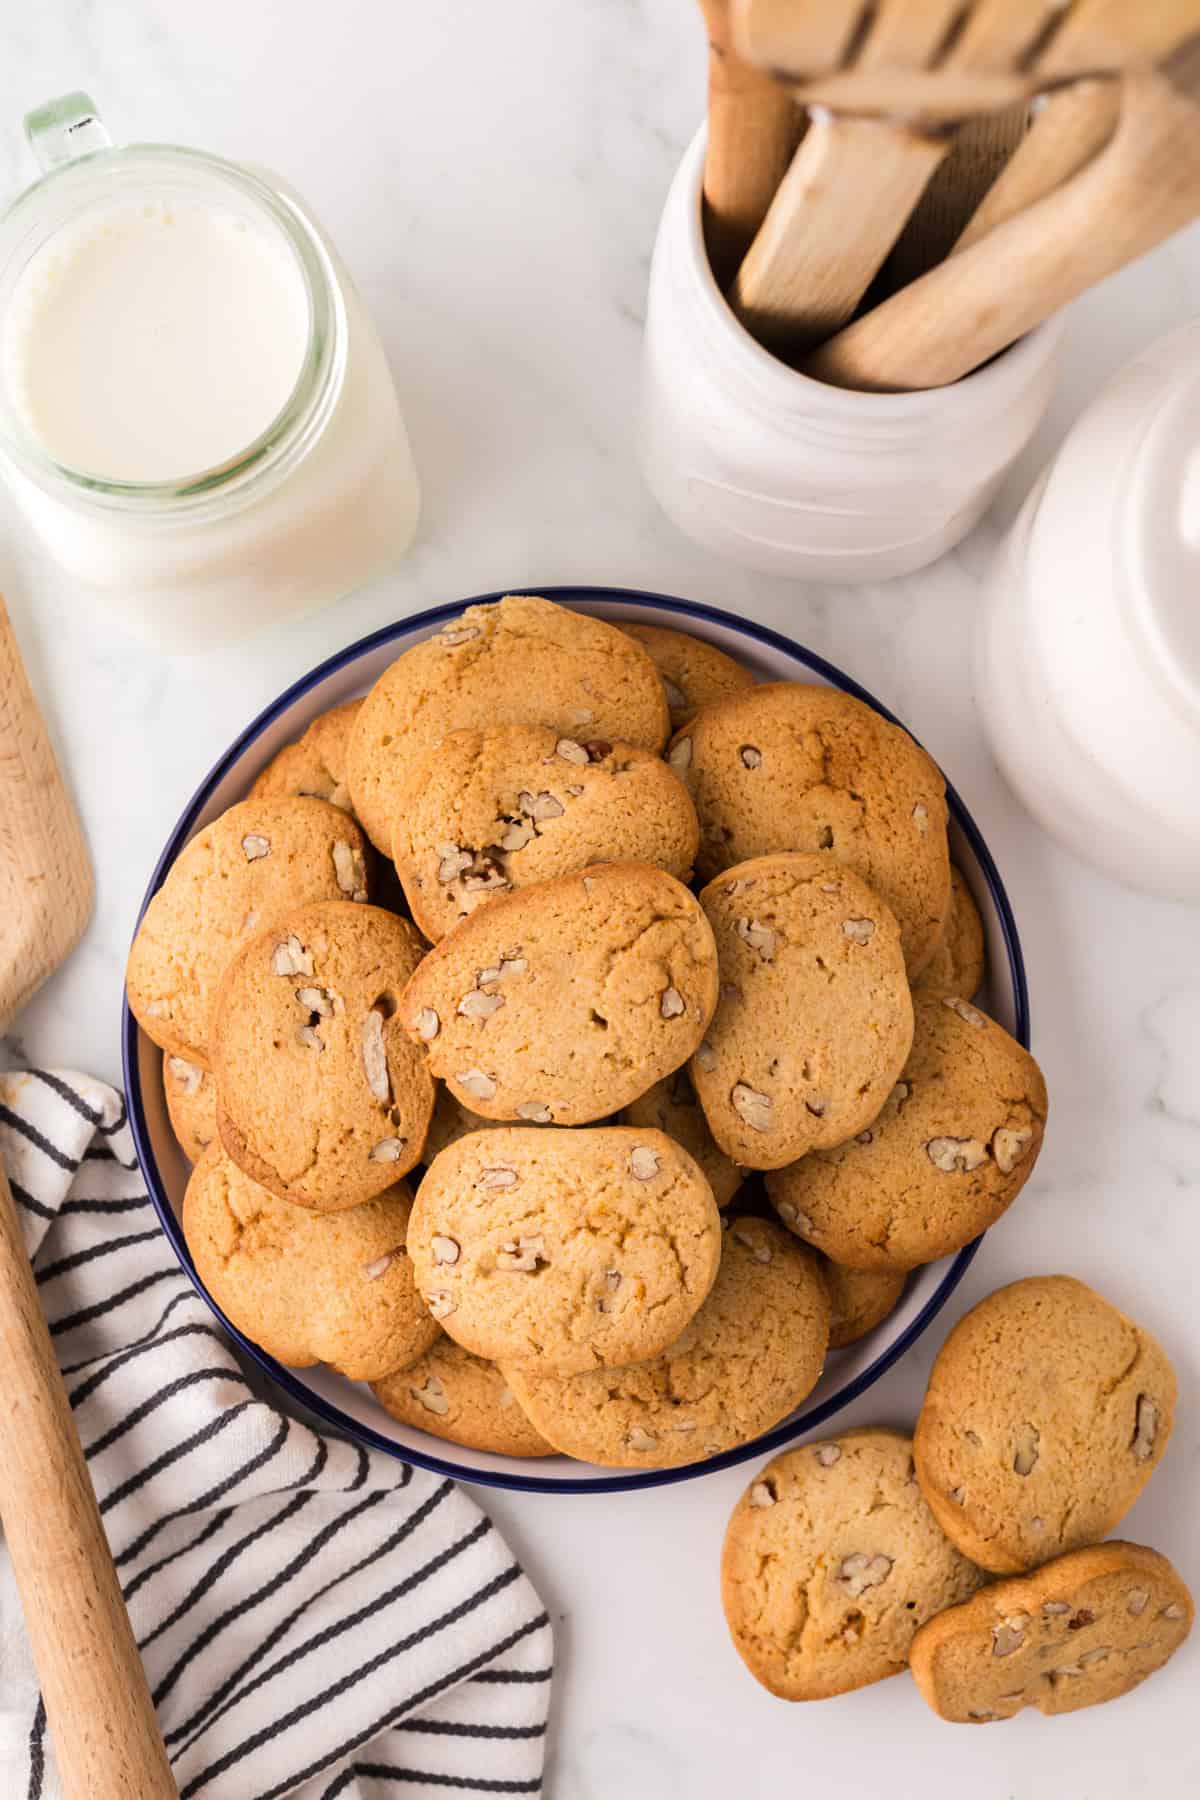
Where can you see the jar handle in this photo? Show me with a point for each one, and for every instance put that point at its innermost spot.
(63, 130)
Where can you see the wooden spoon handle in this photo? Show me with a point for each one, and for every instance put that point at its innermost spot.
(841, 206)
(98, 1707)
(1068, 130)
(1139, 190)
(753, 127)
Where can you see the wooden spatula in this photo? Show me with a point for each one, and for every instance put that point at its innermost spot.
(98, 1708)
(992, 54)
(753, 128)
(1142, 187)
(907, 70)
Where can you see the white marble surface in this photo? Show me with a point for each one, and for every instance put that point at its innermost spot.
(492, 174)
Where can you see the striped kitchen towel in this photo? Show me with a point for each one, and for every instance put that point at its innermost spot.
(315, 1620)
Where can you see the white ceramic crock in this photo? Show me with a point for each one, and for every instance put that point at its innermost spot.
(788, 475)
(1088, 645)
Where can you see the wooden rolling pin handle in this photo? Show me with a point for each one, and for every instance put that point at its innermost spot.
(98, 1707)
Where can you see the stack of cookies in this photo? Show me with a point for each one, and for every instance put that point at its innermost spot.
(846, 1561)
(658, 984)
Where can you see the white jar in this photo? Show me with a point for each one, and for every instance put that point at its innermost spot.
(788, 475)
(317, 494)
(1087, 650)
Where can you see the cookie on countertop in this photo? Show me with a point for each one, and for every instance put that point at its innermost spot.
(454, 1395)
(231, 881)
(814, 1020)
(1047, 1412)
(831, 1561)
(959, 963)
(491, 810)
(322, 1098)
(752, 1353)
(671, 1106)
(191, 1096)
(565, 1250)
(789, 766)
(307, 1288)
(1083, 1629)
(563, 1002)
(859, 1299)
(946, 1156)
(694, 672)
(316, 763)
(520, 661)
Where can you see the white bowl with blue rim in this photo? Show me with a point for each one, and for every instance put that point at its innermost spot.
(350, 1406)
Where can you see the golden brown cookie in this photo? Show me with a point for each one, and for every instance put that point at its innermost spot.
(815, 1017)
(307, 1289)
(460, 1397)
(860, 1299)
(191, 1096)
(694, 672)
(489, 811)
(561, 1003)
(322, 1098)
(1046, 1414)
(520, 661)
(749, 1357)
(231, 881)
(788, 766)
(831, 1561)
(566, 1250)
(947, 1155)
(451, 1120)
(1083, 1629)
(316, 763)
(959, 963)
(671, 1106)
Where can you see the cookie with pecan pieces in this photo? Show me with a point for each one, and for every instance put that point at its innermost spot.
(457, 1396)
(1081, 1630)
(564, 1250)
(694, 672)
(191, 1095)
(832, 1561)
(322, 1098)
(316, 763)
(1046, 1414)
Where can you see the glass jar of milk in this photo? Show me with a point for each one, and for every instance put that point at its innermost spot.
(196, 413)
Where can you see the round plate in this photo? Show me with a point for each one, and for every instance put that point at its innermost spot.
(350, 1406)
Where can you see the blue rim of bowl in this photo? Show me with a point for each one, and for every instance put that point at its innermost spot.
(791, 1429)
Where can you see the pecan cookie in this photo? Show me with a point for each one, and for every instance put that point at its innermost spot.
(831, 1561)
(959, 963)
(454, 1395)
(787, 766)
(562, 1002)
(1083, 1629)
(191, 1096)
(859, 1299)
(948, 1153)
(815, 1017)
(752, 1353)
(694, 673)
(521, 661)
(1046, 1414)
(316, 763)
(671, 1106)
(488, 811)
(322, 1098)
(307, 1289)
(231, 881)
(566, 1250)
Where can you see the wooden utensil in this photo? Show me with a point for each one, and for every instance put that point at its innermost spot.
(1068, 128)
(1142, 187)
(98, 1708)
(993, 53)
(753, 128)
(979, 156)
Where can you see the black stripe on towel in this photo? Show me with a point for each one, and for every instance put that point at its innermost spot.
(33, 1136)
(129, 1589)
(87, 1313)
(222, 1372)
(24, 1198)
(74, 1100)
(106, 1247)
(513, 1675)
(445, 1728)
(475, 1784)
(141, 1343)
(224, 1561)
(87, 1388)
(37, 1751)
(214, 1493)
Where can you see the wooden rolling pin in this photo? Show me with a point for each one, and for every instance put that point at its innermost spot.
(98, 1708)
